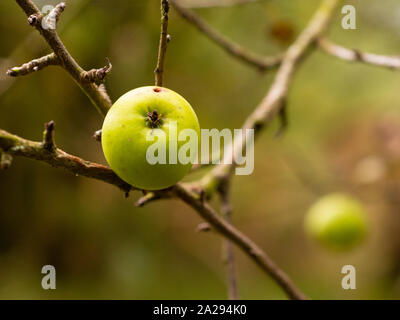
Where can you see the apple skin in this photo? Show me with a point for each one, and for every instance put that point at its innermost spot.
(337, 221)
(124, 136)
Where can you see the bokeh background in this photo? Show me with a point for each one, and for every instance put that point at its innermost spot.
(343, 135)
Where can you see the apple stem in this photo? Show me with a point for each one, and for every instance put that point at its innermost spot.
(162, 48)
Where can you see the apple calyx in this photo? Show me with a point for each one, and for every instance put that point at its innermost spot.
(154, 119)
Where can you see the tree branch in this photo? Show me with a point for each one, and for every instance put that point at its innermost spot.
(226, 211)
(234, 49)
(97, 75)
(34, 65)
(275, 99)
(354, 55)
(53, 16)
(98, 97)
(164, 39)
(240, 239)
(16, 146)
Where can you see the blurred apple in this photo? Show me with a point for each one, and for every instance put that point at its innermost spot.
(337, 221)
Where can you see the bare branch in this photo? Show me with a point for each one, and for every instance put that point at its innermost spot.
(226, 210)
(16, 146)
(98, 97)
(354, 55)
(164, 39)
(52, 18)
(241, 240)
(34, 65)
(34, 46)
(275, 99)
(103, 91)
(58, 9)
(97, 75)
(234, 49)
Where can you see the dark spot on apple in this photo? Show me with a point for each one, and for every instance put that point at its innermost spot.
(157, 89)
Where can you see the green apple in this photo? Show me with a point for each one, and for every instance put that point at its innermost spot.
(337, 221)
(136, 115)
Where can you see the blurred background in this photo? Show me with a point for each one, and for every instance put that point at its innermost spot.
(343, 135)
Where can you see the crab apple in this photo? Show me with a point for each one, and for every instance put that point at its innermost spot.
(336, 220)
(144, 112)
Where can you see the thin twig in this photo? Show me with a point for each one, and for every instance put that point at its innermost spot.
(354, 55)
(34, 46)
(17, 146)
(260, 62)
(164, 39)
(52, 18)
(34, 65)
(48, 136)
(226, 211)
(97, 75)
(98, 97)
